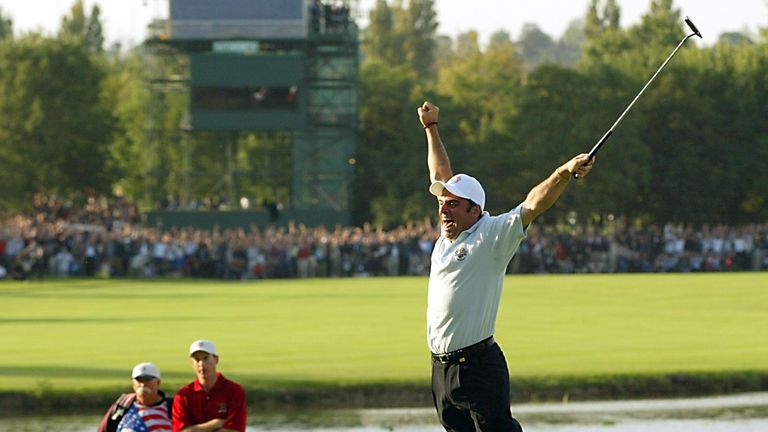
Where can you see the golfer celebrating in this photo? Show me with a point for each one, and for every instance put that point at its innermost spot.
(470, 379)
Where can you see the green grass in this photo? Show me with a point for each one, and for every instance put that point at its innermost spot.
(75, 335)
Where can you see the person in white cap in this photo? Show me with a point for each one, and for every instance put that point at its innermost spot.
(470, 378)
(146, 409)
(211, 402)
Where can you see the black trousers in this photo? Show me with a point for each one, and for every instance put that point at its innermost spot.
(474, 395)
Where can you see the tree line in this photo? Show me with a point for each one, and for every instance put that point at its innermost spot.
(692, 149)
(73, 117)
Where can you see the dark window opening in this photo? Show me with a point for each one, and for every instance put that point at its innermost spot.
(262, 98)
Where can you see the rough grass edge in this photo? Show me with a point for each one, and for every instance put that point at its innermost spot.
(314, 396)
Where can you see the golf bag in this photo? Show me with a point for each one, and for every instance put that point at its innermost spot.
(118, 409)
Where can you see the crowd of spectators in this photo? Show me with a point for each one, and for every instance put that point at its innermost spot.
(107, 238)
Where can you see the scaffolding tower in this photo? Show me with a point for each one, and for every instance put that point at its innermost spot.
(310, 159)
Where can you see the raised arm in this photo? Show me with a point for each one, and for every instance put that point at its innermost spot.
(543, 195)
(437, 158)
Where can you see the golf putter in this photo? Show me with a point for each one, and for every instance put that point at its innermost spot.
(610, 131)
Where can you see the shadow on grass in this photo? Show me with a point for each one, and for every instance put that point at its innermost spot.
(58, 294)
(43, 373)
(35, 320)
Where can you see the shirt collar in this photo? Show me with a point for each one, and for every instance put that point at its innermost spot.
(471, 229)
(199, 387)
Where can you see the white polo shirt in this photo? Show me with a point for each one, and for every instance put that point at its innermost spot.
(466, 278)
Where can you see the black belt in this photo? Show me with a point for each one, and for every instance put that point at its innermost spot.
(460, 355)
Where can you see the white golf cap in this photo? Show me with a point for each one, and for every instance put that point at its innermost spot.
(146, 370)
(203, 345)
(462, 186)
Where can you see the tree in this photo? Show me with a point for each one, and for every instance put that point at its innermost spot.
(399, 35)
(420, 39)
(94, 34)
(6, 26)
(163, 150)
(381, 42)
(467, 44)
(390, 158)
(125, 91)
(611, 14)
(734, 38)
(443, 51)
(56, 129)
(604, 38)
(562, 112)
(499, 38)
(570, 43)
(75, 23)
(484, 89)
(659, 27)
(710, 105)
(687, 152)
(536, 47)
(599, 20)
(704, 104)
(85, 29)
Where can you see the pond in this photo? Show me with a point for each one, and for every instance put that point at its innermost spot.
(743, 413)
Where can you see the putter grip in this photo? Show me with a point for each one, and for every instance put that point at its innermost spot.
(597, 146)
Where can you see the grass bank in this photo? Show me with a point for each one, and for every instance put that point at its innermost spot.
(278, 397)
(360, 342)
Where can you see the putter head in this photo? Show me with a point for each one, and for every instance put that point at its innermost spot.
(693, 27)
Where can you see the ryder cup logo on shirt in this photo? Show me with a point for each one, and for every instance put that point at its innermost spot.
(222, 408)
(461, 253)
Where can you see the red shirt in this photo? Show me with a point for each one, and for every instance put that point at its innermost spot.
(226, 400)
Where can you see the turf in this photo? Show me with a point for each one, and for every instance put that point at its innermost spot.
(75, 335)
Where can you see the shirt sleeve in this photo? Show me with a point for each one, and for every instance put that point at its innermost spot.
(508, 234)
(179, 415)
(236, 417)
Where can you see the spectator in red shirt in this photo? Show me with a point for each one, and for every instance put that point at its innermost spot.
(211, 402)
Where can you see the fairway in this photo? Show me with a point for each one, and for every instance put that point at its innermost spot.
(73, 335)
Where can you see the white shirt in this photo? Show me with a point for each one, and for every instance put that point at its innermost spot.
(466, 279)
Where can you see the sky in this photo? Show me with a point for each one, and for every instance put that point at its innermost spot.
(125, 21)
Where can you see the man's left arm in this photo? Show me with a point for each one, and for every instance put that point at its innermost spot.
(543, 195)
(236, 417)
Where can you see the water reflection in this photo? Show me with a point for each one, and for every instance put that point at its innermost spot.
(743, 413)
(67, 424)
